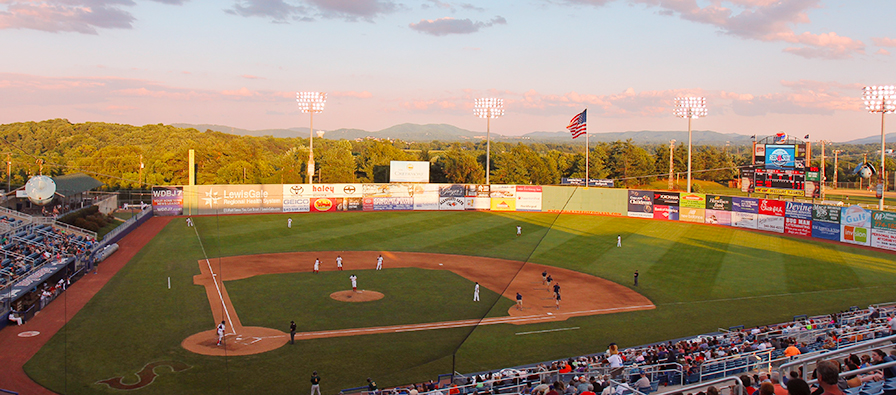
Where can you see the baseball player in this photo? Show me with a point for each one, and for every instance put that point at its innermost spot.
(557, 300)
(550, 279)
(221, 327)
(289, 223)
(519, 301)
(292, 332)
(476, 292)
(316, 265)
(544, 277)
(519, 230)
(379, 263)
(189, 221)
(339, 262)
(315, 383)
(557, 290)
(354, 282)
(636, 278)
(619, 241)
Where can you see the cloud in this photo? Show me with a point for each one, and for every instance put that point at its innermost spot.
(884, 41)
(80, 16)
(802, 97)
(448, 25)
(450, 6)
(252, 77)
(308, 10)
(352, 94)
(883, 52)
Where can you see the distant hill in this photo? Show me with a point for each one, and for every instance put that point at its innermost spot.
(443, 132)
(889, 137)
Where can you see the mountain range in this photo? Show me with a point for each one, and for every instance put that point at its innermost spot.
(443, 132)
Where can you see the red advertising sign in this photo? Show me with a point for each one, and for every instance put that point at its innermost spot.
(799, 227)
(772, 207)
(324, 204)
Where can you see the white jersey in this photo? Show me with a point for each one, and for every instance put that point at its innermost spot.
(221, 329)
(354, 280)
(317, 264)
(519, 229)
(339, 261)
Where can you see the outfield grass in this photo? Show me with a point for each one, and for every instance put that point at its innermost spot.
(700, 277)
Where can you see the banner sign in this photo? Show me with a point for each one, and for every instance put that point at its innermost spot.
(692, 200)
(780, 191)
(26, 284)
(321, 205)
(825, 213)
(855, 225)
(883, 220)
(640, 204)
(240, 199)
(883, 238)
(669, 213)
(798, 210)
(826, 230)
(772, 207)
(452, 190)
(797, 226)
(716, 202)
(745, 205)
(718, 217)
(528, 198)
(426, 197)
(477, 197)
(451, 203)
(665, 198)
(687, 214)
(771, 223)
(388, 190)
(392, 203)
(322, 190)
(407, 171)
(591, 183)
(296, 205)
(744, 220)
(167, 201)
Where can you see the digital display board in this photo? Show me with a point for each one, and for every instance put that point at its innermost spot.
(780, 156)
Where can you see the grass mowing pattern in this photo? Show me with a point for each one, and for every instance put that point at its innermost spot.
(700, 277)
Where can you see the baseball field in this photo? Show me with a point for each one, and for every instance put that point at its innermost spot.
(140, 335)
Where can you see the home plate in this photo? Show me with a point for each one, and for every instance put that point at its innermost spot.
(550, 313)
(440, 264)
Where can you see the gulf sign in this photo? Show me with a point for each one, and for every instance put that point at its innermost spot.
(855, 225)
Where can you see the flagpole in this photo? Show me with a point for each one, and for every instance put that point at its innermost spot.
(587, 166)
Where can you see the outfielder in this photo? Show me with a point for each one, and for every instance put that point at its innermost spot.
(221, 327)
(519, 230)
(354, 282)
(289, 223)
(476, 293)
(379, 263)
(316, 265)
(339, 262)
(189, 221)
(619, 241)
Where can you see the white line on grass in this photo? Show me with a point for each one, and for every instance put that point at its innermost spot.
(770, 296)
(547, 330)
(215, 279)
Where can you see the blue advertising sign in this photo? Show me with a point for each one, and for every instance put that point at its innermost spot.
(744, 205)
(798, 210)
(393, 203)
(826, 230)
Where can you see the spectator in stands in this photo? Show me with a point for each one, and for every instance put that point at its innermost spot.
(555, 389)
(712, 390)
(792, 351)
(766, 389)
(775, 379)
(371, 386)
(828, 377)
(879, 357)
(14, 316)
(797, 386)
(643, 383)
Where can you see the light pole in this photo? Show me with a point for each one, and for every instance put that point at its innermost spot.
(488, 108)
(311, 102)
(671, 163)
(836, 156)
(881, 99)
(690, 108)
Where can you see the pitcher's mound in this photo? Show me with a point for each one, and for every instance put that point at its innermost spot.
(356, 296)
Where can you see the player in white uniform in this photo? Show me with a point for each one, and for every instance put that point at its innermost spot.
(619, 241)
(289, 223)
(354, 282)
(189, 221)
(221, 327)
(316, 266)
(379, 263)
(339, 262)
(476, 293)
(519, 230)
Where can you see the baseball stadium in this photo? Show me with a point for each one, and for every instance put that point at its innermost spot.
(144, 319)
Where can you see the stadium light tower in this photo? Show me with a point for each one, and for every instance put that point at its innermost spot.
(488, 108)
(690, 108)
(311, 102)
(881, 99)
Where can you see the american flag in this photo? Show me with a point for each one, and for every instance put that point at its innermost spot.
(577, 124)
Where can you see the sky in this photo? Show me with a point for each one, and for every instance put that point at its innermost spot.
(764, 66)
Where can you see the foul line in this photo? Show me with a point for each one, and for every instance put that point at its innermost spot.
(770, 296)
(215, 279)
(546, 331)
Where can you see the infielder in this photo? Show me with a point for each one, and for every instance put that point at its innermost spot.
(316, 265)
(544, 277)
(221, 327)
(354, 282)
(519, 230)
(379, 263)
(339, 262)
(619, 241)
(476, 292)
(558, 300)
(519, 301)
(557, 290)
(289, 223)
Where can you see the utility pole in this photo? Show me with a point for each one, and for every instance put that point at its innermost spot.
(671, 163)
(836, 153)
(821, 179)
(8, 170)
(141, 171)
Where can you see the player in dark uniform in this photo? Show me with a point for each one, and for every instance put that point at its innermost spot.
(292, 332)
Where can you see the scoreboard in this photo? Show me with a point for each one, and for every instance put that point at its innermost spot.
(779, 168)
(780, 181)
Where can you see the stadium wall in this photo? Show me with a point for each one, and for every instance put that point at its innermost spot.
(852, 225)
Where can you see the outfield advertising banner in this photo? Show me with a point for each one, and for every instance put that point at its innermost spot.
(407, 171)
(452, 190)
(798, 210)
(390, 203)
(855, 225)
(322, 205)
(692, 200)
(426, 197)
(826, 230)
(665, 199)
(640, 204)
(883, 230)
(745, 220)
(669, 213)
(528, 198)
(477, 197)
(718, 217)
(825, 213)
(167, 201)
(772, 208)
(797, 226)
(240, 199)
(503, 197)
(745, 205)
(296, 205)
(771, 223)
(388, 190)
(716, 202)
(688, 214)
(451, 203)
(322, 190)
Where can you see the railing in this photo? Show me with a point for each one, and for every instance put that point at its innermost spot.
(739, 363)
(865, 345)
(62, 225)
(121, 228)
(689, 388)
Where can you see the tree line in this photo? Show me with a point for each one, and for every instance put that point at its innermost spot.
(113, 153)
